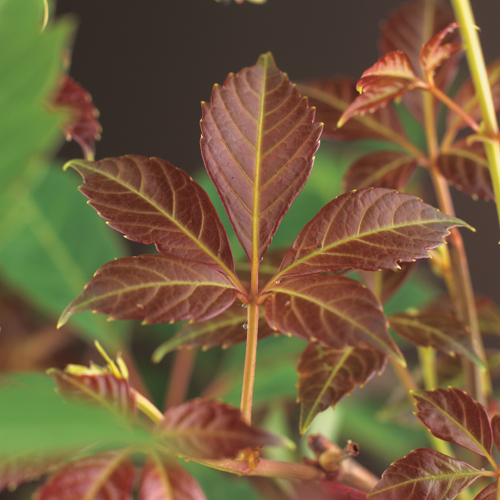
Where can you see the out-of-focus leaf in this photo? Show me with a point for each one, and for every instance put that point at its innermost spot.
(435, 329)
(387, 80)
(100, 477)
(203, 428)
(489, 493)
(452, 415)
(466, 167)
(258, 144)
(326, 375)
(467, 100)
(49, 258)
(178, 217)
(425, 474)
(167, 480)
(156, 288)
(488, 315)
(332, 96)
(333, 310)
(324, 490)
(495, 426)
(370, 229)
(226, 330)
(84, 128)
(434, 52)
(387, 169)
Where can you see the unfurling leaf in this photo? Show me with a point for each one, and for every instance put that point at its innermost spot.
(83, 127)
(387, 169)
(434, 52)
(369, 229)
(387, 80)
(258, 144)
(332, 96)
(208, 429)
(155, 288)
(99, 477)
(435, 329)
(489, 493)
(466, 167)
(333, 310)
(225, 330)
(167, 480)
(452, 415)
(326, 375)
(424, 474)
(151, 201)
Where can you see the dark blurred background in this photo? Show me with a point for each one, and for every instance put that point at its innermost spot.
(149, 63)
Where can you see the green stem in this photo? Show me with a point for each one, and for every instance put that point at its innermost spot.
(479, 75)
(427, 356)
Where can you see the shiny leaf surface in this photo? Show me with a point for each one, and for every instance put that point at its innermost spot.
(203, 428)
(258, 144)
(178, 218)
(326, 375)
(442, 331)
(83, 128)
(434, 52)
(167, 480)
(333, 310)
(387, 80)
(387, 169)
(489, 493)
(424, 474)
(108, 476)
(225, 330)
(452, 415)
(155, 288)
(368, 229)
(466, 167)
(332, 96)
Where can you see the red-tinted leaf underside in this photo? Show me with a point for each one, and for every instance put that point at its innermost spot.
(368, 229)
(258, 144)
(151, 201)
(154, 288)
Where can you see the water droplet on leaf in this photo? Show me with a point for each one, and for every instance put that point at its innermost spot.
(245, 326)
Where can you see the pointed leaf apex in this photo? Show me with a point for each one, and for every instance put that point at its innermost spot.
(266, 60)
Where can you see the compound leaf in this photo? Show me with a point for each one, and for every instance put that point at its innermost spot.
(208, 429)
(258, 144)
(326, 375)
(333, 310)
(370, 229)
(434, 52)
(178, 218)
(167, 480)
(452, 415)
(100, 477)
(466, 167)
(225, 330)
(387, 169)
(425, 474)
(156, 288)
(435, 329)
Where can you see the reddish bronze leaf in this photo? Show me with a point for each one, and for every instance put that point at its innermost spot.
(83, 128)
(108, 476)
(322, 490)
(434, 52)
(151, 201)
(425, 474)
(155, 288)
(489, 493)
(435, 329)
(333, 310)
(452, 415)
(495, 426)
(387, 169)
(466, 167)
(368, 229)
(208, 429)
(326, 375)
(225, 330)
(332, 96)
(258, 144)
(168, 481)
(388, 79)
